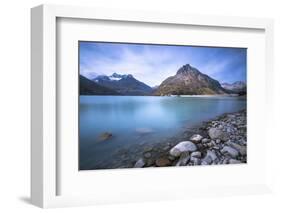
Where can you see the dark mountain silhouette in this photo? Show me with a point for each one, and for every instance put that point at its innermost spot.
(88, 87)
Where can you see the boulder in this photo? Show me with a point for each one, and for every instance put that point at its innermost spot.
(207, 160)
(196, 138)
(184, 146)
(105, 136)
(241, 149)
(196, 154)
(184, 158)
(216, 133)
(227, 150)
(140, 163)
(162, 162)
(212, 155)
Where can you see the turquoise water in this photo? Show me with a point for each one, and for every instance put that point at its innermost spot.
(134, 119)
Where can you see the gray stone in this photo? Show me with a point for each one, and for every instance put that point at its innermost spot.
(234, 161)
(105, 136)
(227, 150)
(196, 138)
(212, 155)
(207, 160)
(147, 155)
(148, 148)
(196, 154)
(140, 163)
(205, 140)
(184, 158)
(184, 146)
(216, 133)
(241, 149)
(196, 161)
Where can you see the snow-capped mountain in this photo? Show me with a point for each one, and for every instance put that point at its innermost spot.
(237, 87)
(123, 84)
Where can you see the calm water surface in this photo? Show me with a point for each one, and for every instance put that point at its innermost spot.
(126, 117)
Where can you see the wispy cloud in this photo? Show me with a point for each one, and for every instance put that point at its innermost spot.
(154, 63)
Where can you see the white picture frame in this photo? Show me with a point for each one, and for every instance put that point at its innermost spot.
(44, 153)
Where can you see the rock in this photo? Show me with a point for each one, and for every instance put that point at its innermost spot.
(218, 140)
(196, 154)
(205, 140)
(140, 163)
(162, 162)
(234, 161)
(195, 161)
(216, 133)
(147, 155)
(212, 155)
(227, 150)
(105, 136)
(207, 160)
(148, 148)
(196, 138)
(184, 158)
(184, 146)
(171, 158)
(166, 148)
(144, 130)
(149, 162)
(241, 149)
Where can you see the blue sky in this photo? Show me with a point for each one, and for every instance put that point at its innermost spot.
(152, 64)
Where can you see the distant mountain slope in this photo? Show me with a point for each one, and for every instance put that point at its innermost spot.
(88, 87)
(236, 87)
(123, 84)
(190, 81)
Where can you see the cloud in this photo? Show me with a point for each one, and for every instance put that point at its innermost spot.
(152, 64)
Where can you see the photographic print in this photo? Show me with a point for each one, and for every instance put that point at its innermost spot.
(156, 105)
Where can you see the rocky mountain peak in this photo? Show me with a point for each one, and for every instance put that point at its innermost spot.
(187, 69)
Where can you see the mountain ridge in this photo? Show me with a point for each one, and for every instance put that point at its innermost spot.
(124, 84)
(190, 81)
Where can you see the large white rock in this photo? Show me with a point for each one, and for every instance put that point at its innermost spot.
(184, 146)
(196, 138)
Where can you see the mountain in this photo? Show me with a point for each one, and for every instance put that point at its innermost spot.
(236, 87)
(123, 84)
(190, 81)
(88, 87)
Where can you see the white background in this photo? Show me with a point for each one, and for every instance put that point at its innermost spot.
(15, 88)
(103, 186)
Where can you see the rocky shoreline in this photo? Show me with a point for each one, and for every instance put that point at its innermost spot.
(222, 140)
(219, 141)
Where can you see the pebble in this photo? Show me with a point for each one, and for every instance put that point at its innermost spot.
(163, 162)
(140, 163)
